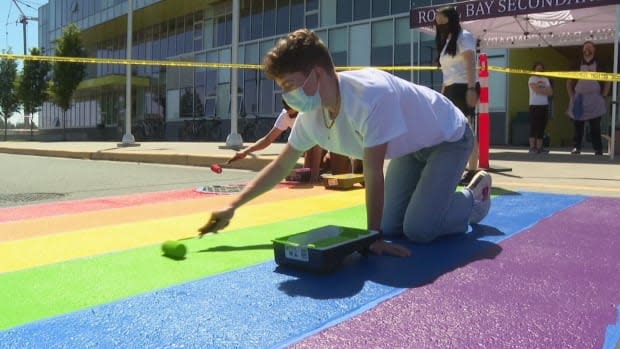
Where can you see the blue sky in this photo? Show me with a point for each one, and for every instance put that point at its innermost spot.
(12, 31)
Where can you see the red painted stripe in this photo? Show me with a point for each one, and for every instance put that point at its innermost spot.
(58, 208)
(9, 214)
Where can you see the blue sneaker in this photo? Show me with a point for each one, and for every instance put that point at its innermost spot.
(480, 187)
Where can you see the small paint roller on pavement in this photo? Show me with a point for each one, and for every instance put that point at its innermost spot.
(174, 249)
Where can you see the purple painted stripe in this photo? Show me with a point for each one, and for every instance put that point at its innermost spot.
(555, 285)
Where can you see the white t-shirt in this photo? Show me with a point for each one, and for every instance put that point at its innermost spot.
(454, 68)
(284, 121)
(535, 98)
(377, 107)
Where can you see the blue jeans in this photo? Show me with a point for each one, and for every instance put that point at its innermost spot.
(420, 197)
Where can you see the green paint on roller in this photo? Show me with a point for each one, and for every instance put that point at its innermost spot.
(174, 249)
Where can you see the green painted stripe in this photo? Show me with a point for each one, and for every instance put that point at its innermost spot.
(56, 289)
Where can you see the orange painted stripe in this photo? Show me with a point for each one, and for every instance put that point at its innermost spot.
(25, 229)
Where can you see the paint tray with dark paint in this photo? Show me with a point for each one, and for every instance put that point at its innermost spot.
(299, 175)
(322, 249)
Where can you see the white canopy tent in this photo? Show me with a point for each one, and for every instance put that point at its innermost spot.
(536, 23)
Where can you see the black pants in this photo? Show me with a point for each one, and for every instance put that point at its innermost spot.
(595, 133)
(538, 121)
(457, 94)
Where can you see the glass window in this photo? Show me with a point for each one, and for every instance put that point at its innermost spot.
(381, 43)
(402, 46)
(269, 18)
(323, 35)
(344, 10)
(282, 19)
(172, 27)
(338, 46)
(209, 34)
(199, 102)
(328, 12)
(245, 21)
(211, 82)
(361, 9)
(266, 97)
(312, 20)
(188, 35)
(186, 105)
(359, 55)
(228, 29)
(198, 36)
(250, 93)
(220, 29)
(312, 5)
(400, 6)
(297, 14)
(257, 18)
(430, 78)
(173, 103)
(224, 74)
(380, 8)
(180, 32)
(200, 74)
(223, 100)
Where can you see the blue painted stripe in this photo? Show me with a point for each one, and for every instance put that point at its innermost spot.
(267, 306)
(612, 335)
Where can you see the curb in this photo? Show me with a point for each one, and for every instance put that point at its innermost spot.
(252, 164)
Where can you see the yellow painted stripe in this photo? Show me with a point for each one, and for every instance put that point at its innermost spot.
(29, 228)
(23, 254)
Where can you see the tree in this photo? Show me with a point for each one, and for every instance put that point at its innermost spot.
(32, 87)
(67, 75)
(9, 102)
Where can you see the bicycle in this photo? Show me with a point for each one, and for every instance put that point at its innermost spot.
(193, 129)
(213, 129)
(254, 127)
(149, 129)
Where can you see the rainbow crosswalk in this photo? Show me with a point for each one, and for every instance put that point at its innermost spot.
(541, 271)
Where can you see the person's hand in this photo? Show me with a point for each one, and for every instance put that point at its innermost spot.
(380, 247)
(218, 221)
(238, 156)
(471, 98)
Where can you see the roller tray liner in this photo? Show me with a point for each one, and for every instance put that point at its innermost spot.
(322, 249)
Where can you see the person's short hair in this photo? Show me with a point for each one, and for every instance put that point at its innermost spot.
(536, 64)
(299, 51)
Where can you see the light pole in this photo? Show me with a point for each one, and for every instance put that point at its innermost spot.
(128, 138)
(234, 139)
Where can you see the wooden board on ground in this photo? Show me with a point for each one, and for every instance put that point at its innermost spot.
(343, 181)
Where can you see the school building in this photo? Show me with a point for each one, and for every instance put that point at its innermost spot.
(358, 33)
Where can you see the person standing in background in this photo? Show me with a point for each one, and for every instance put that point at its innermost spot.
(457, 60)
(540, 90)
(312, 158)
(587, 100)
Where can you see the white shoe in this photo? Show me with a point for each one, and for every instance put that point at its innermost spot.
(480, 187)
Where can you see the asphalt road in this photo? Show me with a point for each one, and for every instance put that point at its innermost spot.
(33, 179)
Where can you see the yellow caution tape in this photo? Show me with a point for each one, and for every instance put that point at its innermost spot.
(599, 76)
(89, 60)
(391, 68)
(578, 75)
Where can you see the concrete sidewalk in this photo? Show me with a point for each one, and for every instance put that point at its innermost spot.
(558, 171)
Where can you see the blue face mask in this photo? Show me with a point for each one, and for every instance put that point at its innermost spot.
(300, 101)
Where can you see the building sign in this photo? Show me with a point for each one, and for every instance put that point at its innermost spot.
(481, 9)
